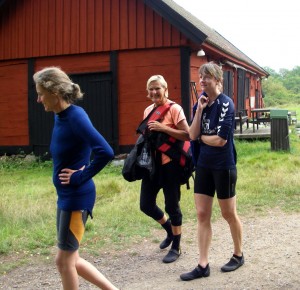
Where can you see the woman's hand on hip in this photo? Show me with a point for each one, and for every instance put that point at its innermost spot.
(66, 173)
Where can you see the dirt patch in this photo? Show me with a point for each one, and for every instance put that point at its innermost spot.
(271, 249)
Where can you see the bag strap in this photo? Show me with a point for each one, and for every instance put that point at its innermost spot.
(156, 114)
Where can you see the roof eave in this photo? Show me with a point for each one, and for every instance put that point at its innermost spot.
(174, 18)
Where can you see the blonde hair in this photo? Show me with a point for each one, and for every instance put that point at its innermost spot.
(213, 70)
(56, 81)
(161, 80)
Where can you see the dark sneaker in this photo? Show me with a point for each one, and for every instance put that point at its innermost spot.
(166, 242)
(172, 256)
(234, 263)
(198, 272)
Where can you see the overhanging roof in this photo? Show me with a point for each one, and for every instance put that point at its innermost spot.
(197, 31)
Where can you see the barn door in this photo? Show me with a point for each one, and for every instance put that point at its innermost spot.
(97, 102)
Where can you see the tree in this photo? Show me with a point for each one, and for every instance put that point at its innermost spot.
(282, 88)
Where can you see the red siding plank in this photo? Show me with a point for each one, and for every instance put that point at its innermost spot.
(91, 25)
(28, 44)
(82, 37)
(76, 22)
(66, 27)
(58, 27)
(141, 25)
(116, 32)
(149, 27)
(51, 27)
(124, 29)
(36, 28)
(132, 16)
(107, 25)
(166, 33)
(158, 30)
(43, 32)
(99, 25)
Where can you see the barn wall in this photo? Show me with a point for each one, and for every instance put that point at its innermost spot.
(35, 28)
(96, 62)
(13, 103)
(135, 68)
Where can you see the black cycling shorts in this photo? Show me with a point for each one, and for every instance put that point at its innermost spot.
(70, 228)
(208, 181)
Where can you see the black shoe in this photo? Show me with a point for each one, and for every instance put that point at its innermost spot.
(172, 256)
(198, 272)
(234, 263)
(166, 242)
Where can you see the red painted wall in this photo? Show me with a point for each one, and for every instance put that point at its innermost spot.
(35, 28)
(96, 62)
(13, 103)
(135, 68)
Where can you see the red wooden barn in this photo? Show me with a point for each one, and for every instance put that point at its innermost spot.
(111, 48)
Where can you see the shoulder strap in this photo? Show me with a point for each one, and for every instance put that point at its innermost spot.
(156, 114)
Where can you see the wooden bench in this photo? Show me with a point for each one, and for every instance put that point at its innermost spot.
(241, 119)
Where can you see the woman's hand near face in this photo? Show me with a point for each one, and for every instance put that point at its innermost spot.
(202, 102)
(66, 173)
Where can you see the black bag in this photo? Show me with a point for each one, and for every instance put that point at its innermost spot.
(145, 158)
(187, 170)
(131, 171)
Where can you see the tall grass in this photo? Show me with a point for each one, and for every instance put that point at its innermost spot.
(266, 180)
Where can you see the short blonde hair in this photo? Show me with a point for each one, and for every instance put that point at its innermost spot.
(56, 81)
(161, 80)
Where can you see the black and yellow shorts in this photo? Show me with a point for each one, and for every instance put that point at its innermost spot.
(70, 228)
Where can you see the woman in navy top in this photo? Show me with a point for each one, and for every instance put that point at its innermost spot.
(73, 139)
(213, 126)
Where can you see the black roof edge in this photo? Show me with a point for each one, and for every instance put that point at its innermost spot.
(2, 2)
(184, 26)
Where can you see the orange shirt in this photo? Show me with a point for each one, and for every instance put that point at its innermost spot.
(172, 117)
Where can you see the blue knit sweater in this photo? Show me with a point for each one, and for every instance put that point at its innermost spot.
(73, 139)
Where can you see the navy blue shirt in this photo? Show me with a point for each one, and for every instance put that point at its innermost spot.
(218, 119)
(73, 139)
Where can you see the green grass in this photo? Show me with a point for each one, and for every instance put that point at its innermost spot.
(266, 180)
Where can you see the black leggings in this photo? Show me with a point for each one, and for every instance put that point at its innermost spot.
(166, 177)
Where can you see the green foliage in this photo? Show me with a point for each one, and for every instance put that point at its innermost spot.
(282, 88)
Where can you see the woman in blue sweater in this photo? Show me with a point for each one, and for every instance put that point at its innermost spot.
(73, 139)
(213, 126)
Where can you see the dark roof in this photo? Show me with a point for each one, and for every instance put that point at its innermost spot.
(197, 31)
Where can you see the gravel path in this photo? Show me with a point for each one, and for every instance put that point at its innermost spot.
(271, 249)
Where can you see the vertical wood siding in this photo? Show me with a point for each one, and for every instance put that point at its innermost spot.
(13, 104)
(34, 28)
(96, 62)
(135, 68)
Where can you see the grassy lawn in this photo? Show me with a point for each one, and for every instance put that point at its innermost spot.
(266, 180)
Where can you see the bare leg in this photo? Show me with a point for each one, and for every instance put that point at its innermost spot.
(87, 271)
(70, 265)
(204, 210)
(65, 262)
(229, 213)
